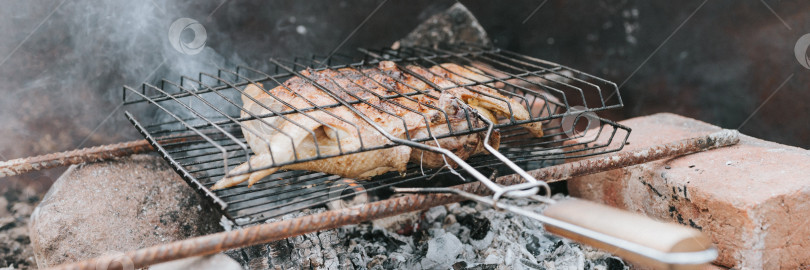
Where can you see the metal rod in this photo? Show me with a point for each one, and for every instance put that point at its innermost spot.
(90, 154)
(78, 156)
(622, 159)
(264, 233)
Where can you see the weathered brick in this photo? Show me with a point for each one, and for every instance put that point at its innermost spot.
(752, 199)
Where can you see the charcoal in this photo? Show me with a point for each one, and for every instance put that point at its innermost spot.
(479, 227)
(538, 244)
(460, 236)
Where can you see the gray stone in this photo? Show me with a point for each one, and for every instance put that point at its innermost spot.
(212, 262)
(116, 206)
(454, 26)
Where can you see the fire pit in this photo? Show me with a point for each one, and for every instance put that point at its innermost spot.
(204, 142)
(287, 212)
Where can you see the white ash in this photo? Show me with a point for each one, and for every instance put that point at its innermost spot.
(442, 251)
(455, 236)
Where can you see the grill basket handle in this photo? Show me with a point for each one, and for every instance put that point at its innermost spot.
(643, 240)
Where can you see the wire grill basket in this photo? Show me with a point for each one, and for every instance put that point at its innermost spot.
(198, 124)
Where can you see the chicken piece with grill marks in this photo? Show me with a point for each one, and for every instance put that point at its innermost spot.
(401, 104)
(483, 97)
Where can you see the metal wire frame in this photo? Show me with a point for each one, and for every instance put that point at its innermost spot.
(207, 107)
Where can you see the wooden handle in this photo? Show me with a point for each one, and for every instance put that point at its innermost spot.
(668, 238)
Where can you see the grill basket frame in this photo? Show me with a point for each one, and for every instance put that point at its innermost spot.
(198, 148)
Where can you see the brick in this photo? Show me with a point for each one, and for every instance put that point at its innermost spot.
(751, 198)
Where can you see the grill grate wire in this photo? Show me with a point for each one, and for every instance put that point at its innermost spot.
(197, 127)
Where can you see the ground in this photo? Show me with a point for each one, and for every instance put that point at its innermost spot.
(16, 206)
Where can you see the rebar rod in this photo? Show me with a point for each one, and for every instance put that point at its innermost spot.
(633, 157)
(78, 156)
(264, 233)
(84, 155)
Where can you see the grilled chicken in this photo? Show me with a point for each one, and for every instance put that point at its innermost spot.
(291, 134)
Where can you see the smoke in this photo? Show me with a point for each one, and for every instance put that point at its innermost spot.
(65, 62)
(62, 87)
